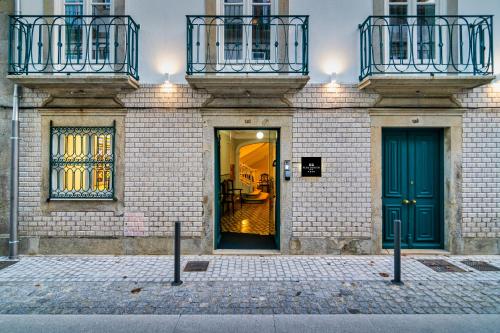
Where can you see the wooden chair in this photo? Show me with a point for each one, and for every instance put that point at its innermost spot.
(229, 195)
(263, 184)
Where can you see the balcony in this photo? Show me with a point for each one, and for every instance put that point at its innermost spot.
(68, 54)
(425, 56)
(247, 56)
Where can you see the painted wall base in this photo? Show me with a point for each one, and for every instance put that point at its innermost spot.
(102, 246)
(193, 246)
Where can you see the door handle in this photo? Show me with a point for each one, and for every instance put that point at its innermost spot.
(414, 201)
(406, 202)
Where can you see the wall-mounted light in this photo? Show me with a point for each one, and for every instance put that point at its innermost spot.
(333, 78)
(167, 85)
(260, 135)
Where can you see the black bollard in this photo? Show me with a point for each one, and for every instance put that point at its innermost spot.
(397, 252)
(177, 255)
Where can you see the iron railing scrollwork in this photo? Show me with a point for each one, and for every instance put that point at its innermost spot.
(73, 44)
(247, 44)
(426, 45)
(82, 162)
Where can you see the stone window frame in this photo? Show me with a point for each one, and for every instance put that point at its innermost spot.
(59, 161)
(91, 118)
(451, 121)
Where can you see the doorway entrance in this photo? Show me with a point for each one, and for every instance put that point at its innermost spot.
(247, 189)
(412, 187)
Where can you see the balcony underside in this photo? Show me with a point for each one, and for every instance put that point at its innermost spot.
(79, 90)
(247, 90)
(419, 90)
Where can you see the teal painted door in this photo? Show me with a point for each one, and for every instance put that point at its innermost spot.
(412, 187)
(217, 194)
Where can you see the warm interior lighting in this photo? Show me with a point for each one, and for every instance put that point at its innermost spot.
(260, 135)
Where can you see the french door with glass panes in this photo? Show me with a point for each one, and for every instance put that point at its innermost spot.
(247, 31)
(413, 39)
(88, 40)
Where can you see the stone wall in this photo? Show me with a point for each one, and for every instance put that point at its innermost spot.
(164, 172)
(337, 204)
(481, 174)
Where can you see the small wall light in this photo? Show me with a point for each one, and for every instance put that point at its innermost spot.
(333, 78)
(260, 135)
(167, 85)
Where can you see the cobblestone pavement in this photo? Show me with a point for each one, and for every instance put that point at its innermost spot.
(245, 285)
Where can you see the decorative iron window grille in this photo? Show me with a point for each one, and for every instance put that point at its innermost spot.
(82, 162)
(426, 45)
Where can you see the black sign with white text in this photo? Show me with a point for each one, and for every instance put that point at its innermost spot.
(311, 166)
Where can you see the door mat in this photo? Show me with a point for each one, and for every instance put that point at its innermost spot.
(196, 266)
(441, 266)
(481, 266)
(5, 264)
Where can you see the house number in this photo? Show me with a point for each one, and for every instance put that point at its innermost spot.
(415, 121)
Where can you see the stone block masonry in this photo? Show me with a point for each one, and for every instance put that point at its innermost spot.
(337, 205)
(164, 167)
(481, 174)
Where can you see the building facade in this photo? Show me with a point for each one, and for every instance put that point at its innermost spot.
(301, 127)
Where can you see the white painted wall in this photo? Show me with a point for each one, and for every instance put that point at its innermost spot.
(162, 36)
(31, 7)
(334, 36)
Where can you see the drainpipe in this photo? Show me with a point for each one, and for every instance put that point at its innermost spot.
(14, 165)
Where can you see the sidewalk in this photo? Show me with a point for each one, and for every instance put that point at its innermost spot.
(246, 285)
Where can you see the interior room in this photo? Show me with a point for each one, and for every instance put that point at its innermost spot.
(247, 176)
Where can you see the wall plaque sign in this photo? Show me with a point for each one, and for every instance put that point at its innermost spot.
(311, 166)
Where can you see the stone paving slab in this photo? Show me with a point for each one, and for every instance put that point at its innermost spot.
(238, 268)
(245, 285)
(250, 323)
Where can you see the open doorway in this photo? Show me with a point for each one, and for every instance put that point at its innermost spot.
(247, 189)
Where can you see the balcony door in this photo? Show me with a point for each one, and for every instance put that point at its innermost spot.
(247, 32)
(88, 33)
(413, 35)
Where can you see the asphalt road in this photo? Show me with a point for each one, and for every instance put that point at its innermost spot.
(249, 323)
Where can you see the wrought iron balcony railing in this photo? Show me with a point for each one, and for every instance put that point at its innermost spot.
(426, 44)
(247, 44)
(73, 44)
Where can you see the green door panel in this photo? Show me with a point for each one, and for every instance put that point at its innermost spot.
(217, 200)
(412, 170)
(394, 188)
(425, 188)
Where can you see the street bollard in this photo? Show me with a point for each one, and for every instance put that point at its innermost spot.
(177, 255)
(397, 252)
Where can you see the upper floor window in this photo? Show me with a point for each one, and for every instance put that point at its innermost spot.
(416, 35)
(247, 29)
(82, 34)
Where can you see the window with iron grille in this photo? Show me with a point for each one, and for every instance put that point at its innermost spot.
(82, 161)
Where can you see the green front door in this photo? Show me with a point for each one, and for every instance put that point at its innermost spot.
(412, 187)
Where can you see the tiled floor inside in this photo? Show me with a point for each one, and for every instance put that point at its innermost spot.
(252, 218)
